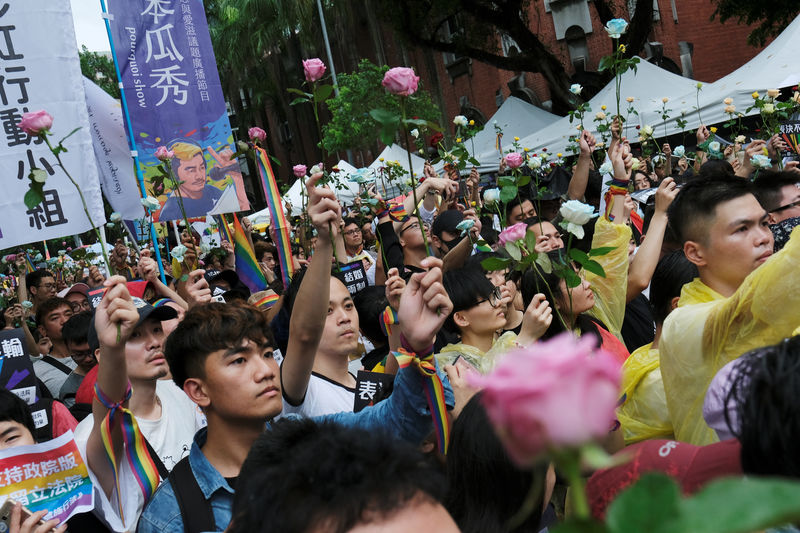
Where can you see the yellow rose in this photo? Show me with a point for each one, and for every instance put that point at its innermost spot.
(773, 93)
(713, 129)
(728, 101)
(665, 99)
(380, 159)
(525, 149)
(558, 154)
(458, 139)
(730, 109)
(630, 99)
(754, 95)
(622, 48)
(603, 107)
(471, 122)
(516, 138)
(600, 116)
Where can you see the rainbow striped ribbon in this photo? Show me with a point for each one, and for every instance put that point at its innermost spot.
(29, 267)
(142, 464)
(224, 230)
(247, 267)
(276, 214)
(397, 212)
(434, 392)
(267, 301)
(388, 318)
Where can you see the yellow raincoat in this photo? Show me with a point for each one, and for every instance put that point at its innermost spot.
(610, 291)
(707, 331)
(644, 414)
(484, 362)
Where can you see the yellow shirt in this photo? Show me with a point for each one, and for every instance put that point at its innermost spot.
(610, 291)
(707, 331)
(644, 414)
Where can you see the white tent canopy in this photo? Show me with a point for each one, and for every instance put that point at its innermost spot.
(396, 153)
(775, 67)
(344, 189)
(648, 85)
(517, 118)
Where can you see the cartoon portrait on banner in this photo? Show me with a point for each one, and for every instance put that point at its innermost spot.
(175, 100)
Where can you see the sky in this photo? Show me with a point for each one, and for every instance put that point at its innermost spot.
(89, 27)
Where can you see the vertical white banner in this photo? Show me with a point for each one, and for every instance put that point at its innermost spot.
(113, 153)
(39, 69)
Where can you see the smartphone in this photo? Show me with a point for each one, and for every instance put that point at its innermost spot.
(5, 515)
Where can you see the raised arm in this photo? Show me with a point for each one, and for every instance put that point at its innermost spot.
(114, 320)
(148, 270)
(580, 178)
(313, 298)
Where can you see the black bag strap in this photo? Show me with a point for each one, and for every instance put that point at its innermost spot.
(56, 363)
(162, 470)
(195, 510)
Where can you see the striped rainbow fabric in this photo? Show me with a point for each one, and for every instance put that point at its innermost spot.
(247, 268)
(267, 301)
(280, 226)
(29, 267)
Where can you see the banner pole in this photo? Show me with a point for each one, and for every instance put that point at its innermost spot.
(131, 141)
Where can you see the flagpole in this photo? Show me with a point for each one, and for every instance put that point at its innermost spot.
(131, 141)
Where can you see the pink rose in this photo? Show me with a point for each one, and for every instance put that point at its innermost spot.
(512, 233)
(299, 170)
(561, 393)
(401, 81)
(36, 123)
(162, 154)
(314, 69)
(514, 160)
(257, 134)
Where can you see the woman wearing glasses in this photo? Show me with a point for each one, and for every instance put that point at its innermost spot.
(479, 315)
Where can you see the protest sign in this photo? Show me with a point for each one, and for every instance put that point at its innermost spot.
(48, 476)
(40, 71)
(355, 278)
(174, 99)
(371, 388)
(16, 369)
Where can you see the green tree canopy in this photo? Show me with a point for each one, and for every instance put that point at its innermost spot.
(351, 126)
(771, 21)
(100, 69)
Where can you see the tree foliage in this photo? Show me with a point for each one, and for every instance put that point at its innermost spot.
(771, 21)
(352, 127)
(100, 69)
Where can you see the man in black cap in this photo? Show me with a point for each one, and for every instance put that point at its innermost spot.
(130, 369)
(450, 241)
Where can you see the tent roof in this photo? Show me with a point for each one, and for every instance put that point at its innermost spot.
(516, 118)
(648, 85)
(344, 189)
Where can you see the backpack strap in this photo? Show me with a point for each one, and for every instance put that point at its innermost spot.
(162, 470)
(195, 510)
(56, 363)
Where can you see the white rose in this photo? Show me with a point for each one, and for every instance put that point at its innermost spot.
(635, 164)
(38, 175)
(679, 151)
(606, 168)
(714, 146)
(575, 88)
(600, 115)
(178, 252)
(460, 120)
(575, 215)
(773, 93)
(768, 109)
(741, 139)
(647, 130)
(151, 203)
(415, 133)
(534, 163)
(491, 196)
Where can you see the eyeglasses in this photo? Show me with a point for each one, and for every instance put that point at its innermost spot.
(46, 286)
(494, 297)
(785, 207)
(77, 307)
(352, 232)
(415, 225)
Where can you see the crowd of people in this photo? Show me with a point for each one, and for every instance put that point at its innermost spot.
(248, 402)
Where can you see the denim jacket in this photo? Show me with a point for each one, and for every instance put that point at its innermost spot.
(404, 414)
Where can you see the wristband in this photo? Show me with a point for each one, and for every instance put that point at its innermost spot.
(420, 353)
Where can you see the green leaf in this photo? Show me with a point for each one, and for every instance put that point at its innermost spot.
(298, 91)
(543, 260)
(34, 196)
(514, 251)
(474, 162)
(503, 181)
(523, 181)
(300, 100)
(322, 92)
(571, 278)
(495, 263)
(606, 63)
(601, 250)
(507, 193)
(387, 134)
(580, 526)
(384, 117)
(416, 122)
(649, 506)
(595, 456)
(578, 255)
(594, 267)
(530, 241)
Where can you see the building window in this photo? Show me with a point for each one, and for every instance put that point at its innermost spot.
(577, 47)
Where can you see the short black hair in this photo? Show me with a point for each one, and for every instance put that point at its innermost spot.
(210, 327)
(514, 202)
(32, 279)
(351, 220)
(370, 303)
(465, 286)
(672, 272)
(76, 329)
(14, 409)
(484, 485)
(303, 475)
(765, 387)
(768, 185)
(49, 305)
(696, 202)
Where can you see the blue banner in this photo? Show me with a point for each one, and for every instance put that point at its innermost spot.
(174, 99)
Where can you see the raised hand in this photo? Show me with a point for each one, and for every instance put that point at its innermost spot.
(537, 318)
(394, 288)
(323, 207)
(197, 289)
(115, 317)
(424, 306)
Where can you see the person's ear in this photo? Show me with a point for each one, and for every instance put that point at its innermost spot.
(401, 241)
(673, 304)
(436, 242)
(42, 331)
(97, 355)
(695, 253)
(771, 219)
(197, 391)
(460, 319)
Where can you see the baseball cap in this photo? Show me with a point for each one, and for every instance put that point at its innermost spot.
(691, 466)
(446, 221)
(81, 288)
(145, 311)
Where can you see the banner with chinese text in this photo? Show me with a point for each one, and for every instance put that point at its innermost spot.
(39, 69)
(48, 476)
(174, 98)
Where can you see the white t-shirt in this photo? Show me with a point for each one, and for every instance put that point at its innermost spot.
(323, 397)
(52, 377)
(170, 436)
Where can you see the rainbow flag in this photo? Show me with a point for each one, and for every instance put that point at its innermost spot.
(224, 231)
(29, 267)
(267, 301)
(277, 215)
(247, 268)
